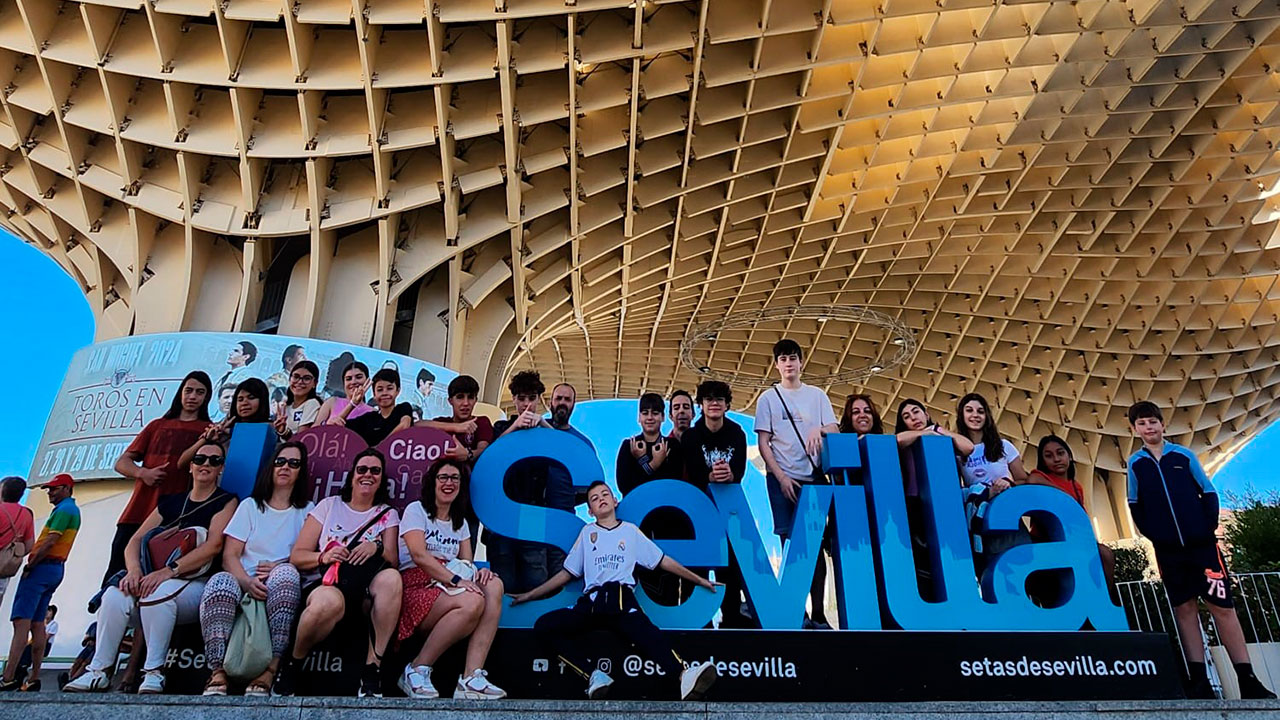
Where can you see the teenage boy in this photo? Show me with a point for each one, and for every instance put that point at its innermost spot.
(390, 417)
(473, 433)
(791, 419)
(40, 578)
(681, 413)
(715, 451)
(650, 456)
(1175, 506)
(522, 565)
(605, 556)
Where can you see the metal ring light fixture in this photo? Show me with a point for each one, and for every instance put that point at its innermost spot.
(900, 336)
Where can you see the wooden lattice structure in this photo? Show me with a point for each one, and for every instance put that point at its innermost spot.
(1072, 204)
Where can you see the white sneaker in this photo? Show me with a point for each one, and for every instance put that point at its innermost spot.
(599, 685)
(90, 681)
(415, 681)
(152, 683)
(696, 680)
(476, 686)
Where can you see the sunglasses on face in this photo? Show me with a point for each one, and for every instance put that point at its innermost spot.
(368, 470)
(294, 463)
(212, 460)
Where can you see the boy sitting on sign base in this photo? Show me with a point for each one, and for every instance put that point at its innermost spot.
(605, 556)
(1175, 506)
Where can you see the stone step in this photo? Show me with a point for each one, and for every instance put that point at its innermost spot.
(111, 706)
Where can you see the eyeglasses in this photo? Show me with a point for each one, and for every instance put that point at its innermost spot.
(374, 470)
(304, 378)
(212, 460)
(713, 400)
(449, 478)
(294, 463)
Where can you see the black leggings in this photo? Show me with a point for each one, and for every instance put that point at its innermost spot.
(565, 630)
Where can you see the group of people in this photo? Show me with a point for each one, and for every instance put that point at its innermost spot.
(187, 551)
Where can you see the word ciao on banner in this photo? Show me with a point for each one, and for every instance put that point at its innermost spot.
(875, 570)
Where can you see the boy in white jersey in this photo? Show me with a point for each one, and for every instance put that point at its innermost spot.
(605, 556)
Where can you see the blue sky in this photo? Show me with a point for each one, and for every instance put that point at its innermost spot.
(46, 320)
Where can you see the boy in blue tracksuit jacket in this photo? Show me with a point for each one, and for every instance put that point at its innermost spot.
(1175, 506)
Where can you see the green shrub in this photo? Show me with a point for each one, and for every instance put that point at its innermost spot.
(1131, 563)
(1253, 533)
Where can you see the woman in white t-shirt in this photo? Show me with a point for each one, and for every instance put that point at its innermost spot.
(439, 599)
(298, 411)
(255, 556)
(350, 539)
(994, 464)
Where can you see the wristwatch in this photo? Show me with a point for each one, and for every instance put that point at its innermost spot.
(173, 565)
(455, 579)
(378, 541)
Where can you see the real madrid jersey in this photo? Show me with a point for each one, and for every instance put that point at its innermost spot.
(604, 555)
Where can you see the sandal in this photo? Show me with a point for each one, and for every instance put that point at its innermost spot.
(261, 685)
(216, 686)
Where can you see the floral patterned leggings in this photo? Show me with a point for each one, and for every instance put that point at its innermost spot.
(221, 602)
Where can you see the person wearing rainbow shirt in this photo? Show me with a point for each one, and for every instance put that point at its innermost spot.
(40, 578)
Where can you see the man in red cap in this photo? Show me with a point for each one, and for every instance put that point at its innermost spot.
(40, 578)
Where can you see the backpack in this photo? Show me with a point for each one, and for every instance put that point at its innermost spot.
(12, 554)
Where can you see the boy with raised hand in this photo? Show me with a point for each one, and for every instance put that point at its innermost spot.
(605, 556)
(473, 432)
(1175, 506)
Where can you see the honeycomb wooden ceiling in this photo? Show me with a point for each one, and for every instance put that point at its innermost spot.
(1072, 204)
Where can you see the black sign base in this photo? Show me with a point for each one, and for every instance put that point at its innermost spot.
(780, 666)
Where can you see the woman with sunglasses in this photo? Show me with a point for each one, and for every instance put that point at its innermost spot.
(301, 403)
(341, 535)
(169, 594)
(259, 539)
(337, 410)
(443, 598)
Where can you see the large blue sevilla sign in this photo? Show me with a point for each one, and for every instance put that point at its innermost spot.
(876, 579)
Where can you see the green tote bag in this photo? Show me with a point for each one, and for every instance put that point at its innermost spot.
(249, 647)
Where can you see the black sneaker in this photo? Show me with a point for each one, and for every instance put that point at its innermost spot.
(10, 685)
(31, 686)
(1253, 689)
(371, 681)
(283, 684)
(1200, 689)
